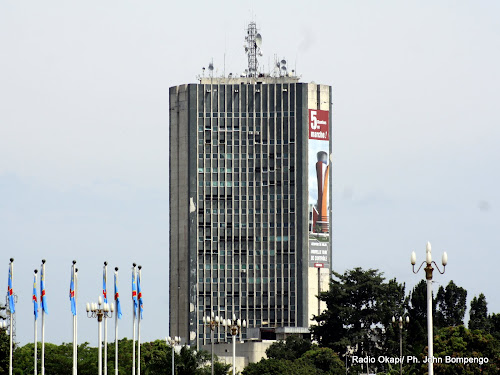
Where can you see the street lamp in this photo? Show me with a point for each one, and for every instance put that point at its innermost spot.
(428, 275)
(99, 310)
(172, 341)
(212, 321)
(235, 329)
(400, 324)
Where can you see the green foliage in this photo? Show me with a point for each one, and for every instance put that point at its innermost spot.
(494, 325)
(292, 348)
(479, 314)
(156, 359)
(58, 359)
(459, 342)
(4, 352)
(451, 303)
(315, 361)
(360, 305)
(417, 311)
(325, 360)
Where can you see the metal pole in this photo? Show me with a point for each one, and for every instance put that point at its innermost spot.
(173, 359)
(35, 338)
(133, 340)
(234, 354)
(76, 321)
(430, 338)
(11, 319)
(74, 345)
(400, 347)
(10, 344)
(99, 360)
(134, 315)
(139, 342)
(116, 339)
(212, 345)
(105, 345)
(43, 341)
(106, 323)
(74, 326)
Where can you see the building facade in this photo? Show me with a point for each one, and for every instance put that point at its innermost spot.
(250, 203)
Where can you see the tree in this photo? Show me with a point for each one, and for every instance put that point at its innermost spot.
(155, 359)
(451, 303)
(292, 348)
(479, 313)
(459, 342)
(324, 360)
(4, 351)
(360, 305)
(494, 325)
(417, 311)
(277, 367)
(316, 361)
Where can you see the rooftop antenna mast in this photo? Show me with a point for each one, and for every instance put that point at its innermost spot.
(253, 42)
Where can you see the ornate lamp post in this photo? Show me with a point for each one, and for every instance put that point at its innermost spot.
(400, 324)
(172, 341)
(99, 310)
(212, 321)
(428, 275)
(235, 329)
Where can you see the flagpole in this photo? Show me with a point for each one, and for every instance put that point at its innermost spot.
(133, 320)
(35, 325)
(73, 275)
(11, 325)
(76, 321)
(106, 321)
(43, 317)
(139, 325)
(116, 323)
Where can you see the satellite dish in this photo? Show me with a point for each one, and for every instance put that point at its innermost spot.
(283, 62)
(210, 66)
(258, 40)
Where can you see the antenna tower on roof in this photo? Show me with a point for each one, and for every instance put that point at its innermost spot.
(253, 42)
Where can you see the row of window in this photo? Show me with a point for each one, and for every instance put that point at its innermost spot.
(244, 211)
(251, 280)
(214, 266)
(247, 114)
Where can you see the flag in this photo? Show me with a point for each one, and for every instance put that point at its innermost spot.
(139, 293)
(35, 299)
(10, 292)
(43, 299)
(134, 293)
(104, 289)
(72, 291)
(117, 301)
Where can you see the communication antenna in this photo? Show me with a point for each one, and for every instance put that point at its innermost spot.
(253, 42)
(211, 68)
(281, 68)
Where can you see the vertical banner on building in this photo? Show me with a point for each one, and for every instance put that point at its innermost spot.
(318, 176)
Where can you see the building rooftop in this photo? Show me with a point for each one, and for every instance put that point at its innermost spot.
(262, 79)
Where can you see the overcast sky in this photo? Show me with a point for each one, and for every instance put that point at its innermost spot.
(84, 136)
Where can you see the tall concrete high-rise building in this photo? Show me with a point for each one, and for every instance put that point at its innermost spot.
(250, 200)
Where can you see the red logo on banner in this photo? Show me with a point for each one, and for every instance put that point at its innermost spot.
(318, 125)
(319, 265)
